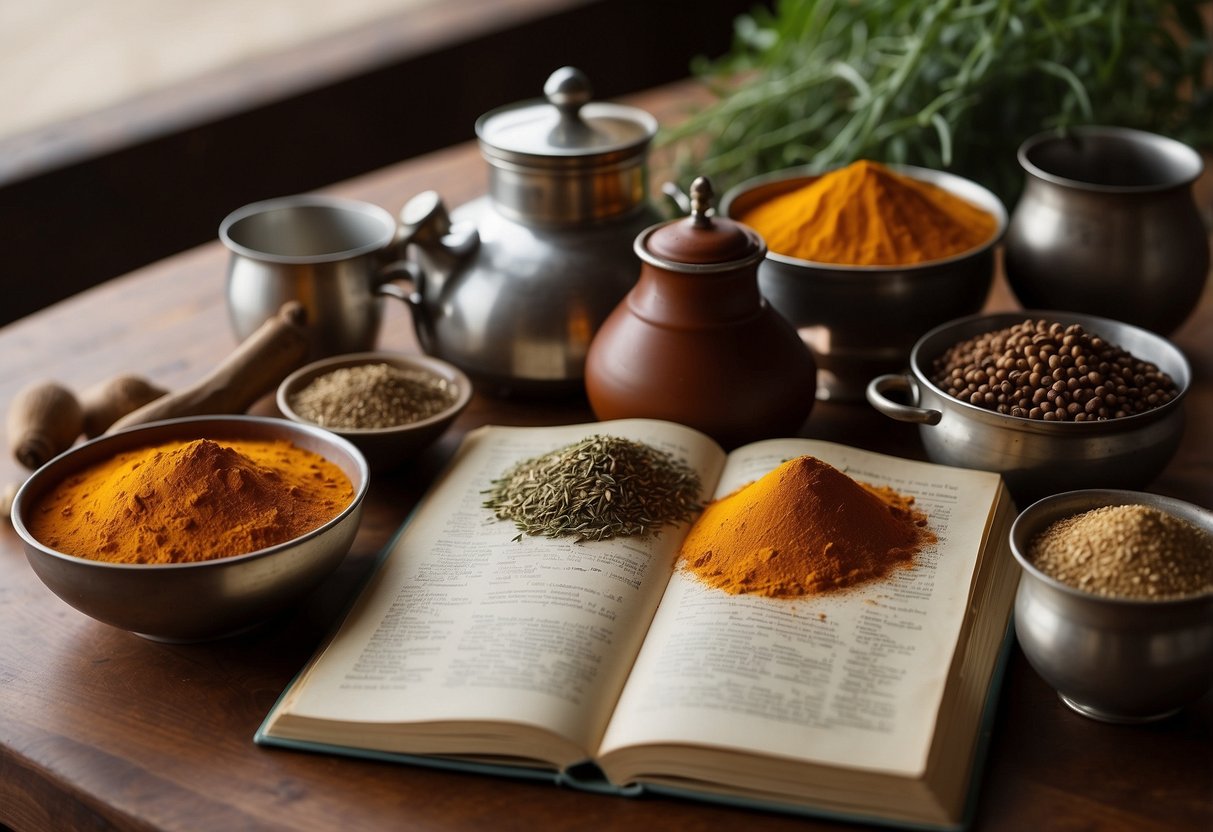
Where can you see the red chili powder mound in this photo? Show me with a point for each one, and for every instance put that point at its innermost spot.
(802, 529)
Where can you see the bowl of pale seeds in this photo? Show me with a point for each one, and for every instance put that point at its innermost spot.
(1054, 401)
(1115, 601)
(389, 405)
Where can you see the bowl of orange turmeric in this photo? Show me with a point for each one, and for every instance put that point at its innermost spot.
(864, 258)
(196, 528)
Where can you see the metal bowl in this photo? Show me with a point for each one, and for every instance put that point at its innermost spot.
(184, 602)
(384, 448)
(1112, 659)
(862, 320)
(1038, 458)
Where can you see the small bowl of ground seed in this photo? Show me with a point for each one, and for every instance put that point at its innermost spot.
(1115, 602)
(1054, 401)
(389, 405)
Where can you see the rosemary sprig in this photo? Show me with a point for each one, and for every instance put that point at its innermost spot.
(950, 84)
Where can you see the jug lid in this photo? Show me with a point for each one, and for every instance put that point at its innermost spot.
(702, 241)
(564, 124)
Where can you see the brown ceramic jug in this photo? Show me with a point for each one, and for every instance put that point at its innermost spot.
(695, 342)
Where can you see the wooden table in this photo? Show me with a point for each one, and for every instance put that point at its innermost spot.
(101, 729)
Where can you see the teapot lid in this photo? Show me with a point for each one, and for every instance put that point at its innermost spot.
(703, 241)
(564, 124)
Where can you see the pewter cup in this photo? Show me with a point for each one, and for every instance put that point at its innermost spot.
(1107, 225)
(335, 256)
(1112, 659)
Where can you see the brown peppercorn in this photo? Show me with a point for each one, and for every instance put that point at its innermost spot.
(1060, 372)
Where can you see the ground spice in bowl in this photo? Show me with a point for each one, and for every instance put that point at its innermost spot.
(187, 501)
(370, 396)
(866, 214)
(1126, 551)
(1040, 369)
(804, 528)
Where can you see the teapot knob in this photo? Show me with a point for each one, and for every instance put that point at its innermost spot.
(701, 202)
(568, 89)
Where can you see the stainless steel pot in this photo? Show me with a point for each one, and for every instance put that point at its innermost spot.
(512, 287)
(1038, 458)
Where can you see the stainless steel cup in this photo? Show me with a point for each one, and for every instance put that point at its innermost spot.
(335, 256)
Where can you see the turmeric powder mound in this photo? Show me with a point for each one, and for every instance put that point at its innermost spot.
(189, 501)
(802, 529)
(868, 215)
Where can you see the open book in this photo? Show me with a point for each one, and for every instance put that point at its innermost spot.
(604, 665)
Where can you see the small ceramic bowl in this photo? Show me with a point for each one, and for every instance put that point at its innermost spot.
(1113, 659)
(185, 602)
(861, 321)
(385, 448)
(1038, 458)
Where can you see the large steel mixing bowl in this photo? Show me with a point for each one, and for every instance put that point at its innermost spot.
(1114, 659)
(1038, 458)
(861, 321)
(184, 602)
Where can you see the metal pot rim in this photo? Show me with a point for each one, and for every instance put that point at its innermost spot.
(1187, 160)
(926, 349)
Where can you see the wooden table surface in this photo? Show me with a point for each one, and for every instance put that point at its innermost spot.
(101, 729)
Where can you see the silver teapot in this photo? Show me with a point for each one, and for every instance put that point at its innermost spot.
(513, 286)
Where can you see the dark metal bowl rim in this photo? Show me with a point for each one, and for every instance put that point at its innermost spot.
(424, 363)
(850, 271)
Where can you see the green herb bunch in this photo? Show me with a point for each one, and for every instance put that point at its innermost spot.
(947, 84)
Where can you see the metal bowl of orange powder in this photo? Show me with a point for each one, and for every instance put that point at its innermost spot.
(862, 318)
(188, 547)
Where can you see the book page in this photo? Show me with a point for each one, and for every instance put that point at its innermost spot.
(463, 622)
(849, 678)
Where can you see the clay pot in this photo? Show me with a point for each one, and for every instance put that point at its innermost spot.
(695, 342)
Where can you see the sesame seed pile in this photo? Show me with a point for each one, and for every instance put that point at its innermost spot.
(1043, 370)
(1127, 551)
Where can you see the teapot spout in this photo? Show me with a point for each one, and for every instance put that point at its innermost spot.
(435, 246)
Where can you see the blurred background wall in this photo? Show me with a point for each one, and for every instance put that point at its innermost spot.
(129, 128)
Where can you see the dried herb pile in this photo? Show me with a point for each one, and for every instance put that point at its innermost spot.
(948, 84)
(595, 489)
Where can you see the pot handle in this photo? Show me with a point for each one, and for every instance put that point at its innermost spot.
(895, 410)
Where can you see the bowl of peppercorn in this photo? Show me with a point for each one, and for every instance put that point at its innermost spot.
(1054, 401)
(389, 405)
(1115, 601)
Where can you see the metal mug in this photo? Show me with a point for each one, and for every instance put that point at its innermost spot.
(1108, 225)
(335, 256)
